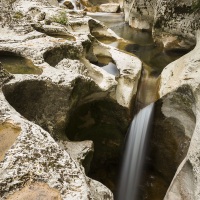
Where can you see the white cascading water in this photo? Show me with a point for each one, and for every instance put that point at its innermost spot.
(134, 154)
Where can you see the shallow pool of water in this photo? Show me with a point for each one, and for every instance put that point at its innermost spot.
(107, 64)
(19, 65)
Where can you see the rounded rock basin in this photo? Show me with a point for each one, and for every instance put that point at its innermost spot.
(107, 64)
(19, 65)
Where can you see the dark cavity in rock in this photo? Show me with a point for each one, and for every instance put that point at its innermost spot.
(18, 65)
(101, 122)
(55, 55)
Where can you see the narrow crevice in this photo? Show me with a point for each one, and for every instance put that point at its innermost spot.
(101, 121)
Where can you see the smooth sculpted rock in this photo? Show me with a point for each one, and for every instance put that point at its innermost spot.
(109, 7)
(182, 76)
(173, 23)
(89, 3)
(39, 158)
(37, 164)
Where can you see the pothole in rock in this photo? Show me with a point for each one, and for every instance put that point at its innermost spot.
(42, 102)
(18, 65)
(107, 64)
(105, 123)
(55, 55)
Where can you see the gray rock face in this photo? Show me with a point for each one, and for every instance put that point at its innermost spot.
(140, 13)
(112, 6)
(35, 109)
(4, 75)
(109, 7)
(174, 122)
(173, 22)
(27, 161)
(182, 76)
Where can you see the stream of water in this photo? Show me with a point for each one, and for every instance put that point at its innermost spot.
(154, 59)
(134, 154)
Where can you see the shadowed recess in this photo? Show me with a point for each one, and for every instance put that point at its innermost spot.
(18, 65)
(101, 122)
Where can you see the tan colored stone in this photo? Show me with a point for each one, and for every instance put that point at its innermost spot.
(8, 135)
(109, 7)
(36, 191)
(69, 4)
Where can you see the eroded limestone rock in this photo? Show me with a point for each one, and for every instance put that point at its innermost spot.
(178, 76)
(8, 134)
(69, 4)
(173, 22)
(109, 7)
(36, 157)
(36, 191)
(4, 75)
(68, 81)
(140, 14)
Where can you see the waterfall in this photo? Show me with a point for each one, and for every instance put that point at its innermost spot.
(134, 154)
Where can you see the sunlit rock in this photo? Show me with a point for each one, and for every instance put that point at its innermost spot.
(173, 23)
(36, 157)
(63, 46)
(36, 191)
(182, 75)
(109, 7)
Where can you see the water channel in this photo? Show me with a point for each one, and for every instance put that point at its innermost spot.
(154, 58)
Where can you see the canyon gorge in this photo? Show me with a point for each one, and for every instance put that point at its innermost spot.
(72, 77)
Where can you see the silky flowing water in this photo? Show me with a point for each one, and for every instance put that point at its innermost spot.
(134, 154)
(154, 59)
